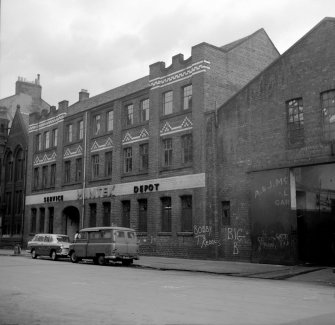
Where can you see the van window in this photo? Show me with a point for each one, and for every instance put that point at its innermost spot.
(95, 235)
(131, 235)
(83, 235)
(120, 234)
(106, 233)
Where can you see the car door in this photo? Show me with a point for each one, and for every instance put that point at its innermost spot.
(40, 245)
(47, 245)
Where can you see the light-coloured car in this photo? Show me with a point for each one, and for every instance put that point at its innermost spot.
(52, 245)
(104, 244)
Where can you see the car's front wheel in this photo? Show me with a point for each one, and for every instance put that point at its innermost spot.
(33, 254)
(53, 255)
(74, 258)
(101, 260)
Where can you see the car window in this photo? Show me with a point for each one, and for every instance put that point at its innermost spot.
(40, 238)
(63, 239)
(35, 238)
(47, 239)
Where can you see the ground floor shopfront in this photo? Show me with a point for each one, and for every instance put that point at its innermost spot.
(292, 212)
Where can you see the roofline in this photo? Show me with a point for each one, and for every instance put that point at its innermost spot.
(297, 43)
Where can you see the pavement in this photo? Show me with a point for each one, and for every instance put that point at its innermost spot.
(305, 273)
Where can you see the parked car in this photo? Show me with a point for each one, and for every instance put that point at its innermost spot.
(53, 245)
(104, 244)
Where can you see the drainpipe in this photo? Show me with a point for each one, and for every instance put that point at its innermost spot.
(24, 194)
(84, 173)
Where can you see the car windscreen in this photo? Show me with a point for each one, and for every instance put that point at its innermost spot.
(63, 239)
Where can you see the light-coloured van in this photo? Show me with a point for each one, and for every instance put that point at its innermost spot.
(104, 244)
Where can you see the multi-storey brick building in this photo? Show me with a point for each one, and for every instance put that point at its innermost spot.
(274, 158)
(14, 120)
(136, 155)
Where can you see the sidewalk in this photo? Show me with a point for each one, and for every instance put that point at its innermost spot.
(318, 274)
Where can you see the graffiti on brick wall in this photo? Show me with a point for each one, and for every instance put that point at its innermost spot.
(273, 241)
(204, 236)
(237, 235)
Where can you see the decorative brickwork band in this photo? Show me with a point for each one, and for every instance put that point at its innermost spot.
(77, 152)
(195, 68)
(45, 159)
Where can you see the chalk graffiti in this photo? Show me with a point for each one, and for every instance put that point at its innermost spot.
(276, 241)
(202, 234)
(237, 235)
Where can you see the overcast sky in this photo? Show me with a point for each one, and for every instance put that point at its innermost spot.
(101, 44)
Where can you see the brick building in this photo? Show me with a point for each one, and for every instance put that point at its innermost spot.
(136, 155)
(14, 118)
(274, 158)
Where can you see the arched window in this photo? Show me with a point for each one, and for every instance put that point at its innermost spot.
(9, 167)
(19, 165)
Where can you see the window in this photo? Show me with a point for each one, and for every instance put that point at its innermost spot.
(107, 214)
(125, 214)
(51, 220)
(36, 178)
(69, 133)
(186, 213)
(67, 171)
(108, 163)
(38, 142)
(128, 160)
(187, 104)
(47, 140)
(145, 110)
(53, 175)
(328, 114)
(167, 103)
(9, 167)
(42, 219)
(95, 166)
(8, 202)
(81, 130)
(19, 170)
(93, 215)
(54, 137)
(110, 121)
(97, 124)
(142, 215)
(187, 148)
(33, 220)
(129, 114)
(167, 152)
(166, 214)
(45, 176)
(295, 113)
(144, 156)
(225, 213)
(79, 168)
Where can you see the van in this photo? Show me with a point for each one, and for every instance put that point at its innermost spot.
(105, 244)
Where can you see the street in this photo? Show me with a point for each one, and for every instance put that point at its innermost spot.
(46, 292)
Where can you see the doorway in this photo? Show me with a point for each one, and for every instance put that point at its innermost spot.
(71, 218)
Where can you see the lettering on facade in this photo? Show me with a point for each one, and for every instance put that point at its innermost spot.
(146, 188)
(56, 198)
(272, 184)
(97, 192)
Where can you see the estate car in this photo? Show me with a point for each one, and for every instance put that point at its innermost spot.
(52, 245)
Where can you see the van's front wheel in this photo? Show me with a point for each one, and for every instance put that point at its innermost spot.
(74, 258)
(101, 260)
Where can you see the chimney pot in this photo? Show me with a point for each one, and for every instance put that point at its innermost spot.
(83, 94)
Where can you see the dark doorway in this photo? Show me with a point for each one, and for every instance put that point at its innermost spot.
(71, 218)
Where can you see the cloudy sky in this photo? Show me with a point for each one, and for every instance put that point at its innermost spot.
(101, 44)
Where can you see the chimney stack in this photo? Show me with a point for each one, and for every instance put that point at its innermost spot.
(83, 94)
(64, 104)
